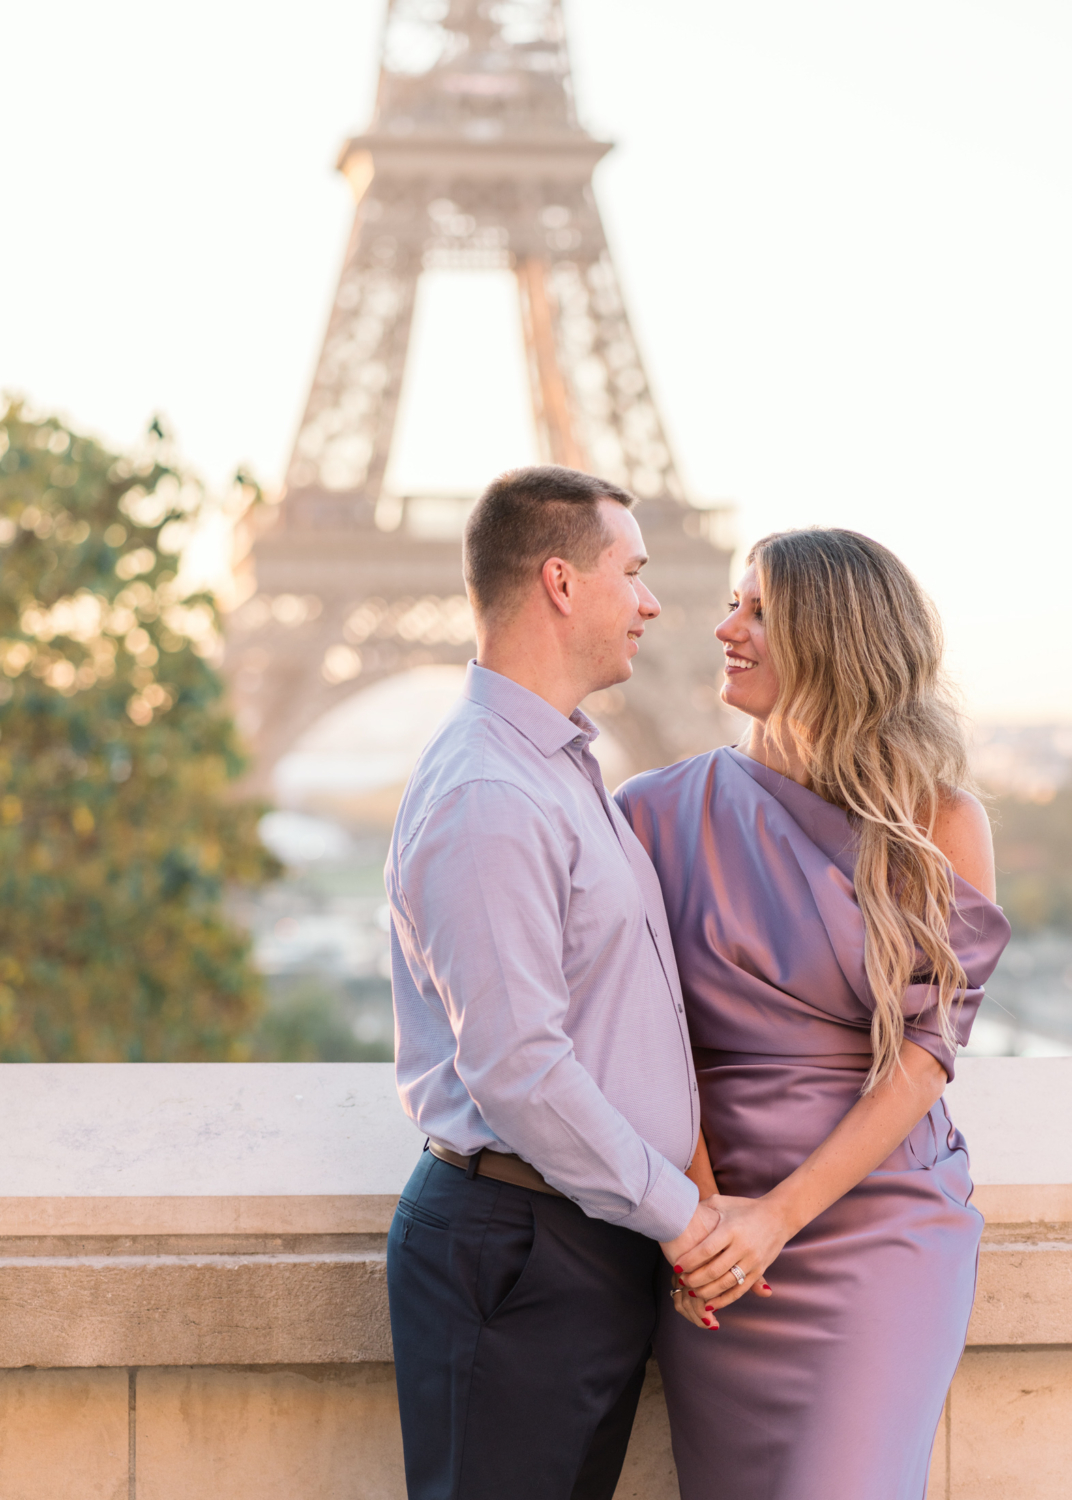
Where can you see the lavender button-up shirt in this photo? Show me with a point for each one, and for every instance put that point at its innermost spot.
(537, 1002)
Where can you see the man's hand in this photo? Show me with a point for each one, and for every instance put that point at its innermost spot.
(695, 1237)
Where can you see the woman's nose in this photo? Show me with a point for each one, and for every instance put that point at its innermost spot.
(729, 629)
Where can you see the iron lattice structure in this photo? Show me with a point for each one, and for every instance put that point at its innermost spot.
(474, 159)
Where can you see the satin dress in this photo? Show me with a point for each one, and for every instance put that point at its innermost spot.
(832, 1389)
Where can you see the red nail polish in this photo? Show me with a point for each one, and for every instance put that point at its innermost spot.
(707, 1321)
(678, 1270)
(766, 1288)
(692, 1294)
(709, 1308)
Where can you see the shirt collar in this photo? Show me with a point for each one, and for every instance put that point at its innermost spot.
(530, 714)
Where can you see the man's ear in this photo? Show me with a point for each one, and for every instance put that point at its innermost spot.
(559, 579)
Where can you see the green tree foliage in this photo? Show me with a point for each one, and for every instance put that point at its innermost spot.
(118, 834)
(1033, 850)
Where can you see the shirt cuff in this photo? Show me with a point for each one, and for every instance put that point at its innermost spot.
(667, 1207)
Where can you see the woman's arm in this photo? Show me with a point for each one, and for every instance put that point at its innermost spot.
(754, 1230)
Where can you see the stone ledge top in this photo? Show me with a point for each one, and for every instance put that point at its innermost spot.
(1016, 1115)
(289, 1147)
(193, 1130)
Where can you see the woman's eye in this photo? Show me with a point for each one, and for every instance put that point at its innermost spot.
(733, 604)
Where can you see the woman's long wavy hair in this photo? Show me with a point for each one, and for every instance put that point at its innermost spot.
(857, 648)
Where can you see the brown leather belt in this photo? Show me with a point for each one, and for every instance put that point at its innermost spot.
(497, 1165)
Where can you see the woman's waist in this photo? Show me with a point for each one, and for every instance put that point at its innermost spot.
(709, 1059)
(760, 1099)
(762, 1115)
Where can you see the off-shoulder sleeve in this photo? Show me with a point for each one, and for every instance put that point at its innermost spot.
(979, 932)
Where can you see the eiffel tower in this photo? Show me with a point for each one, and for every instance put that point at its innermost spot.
(474, 159)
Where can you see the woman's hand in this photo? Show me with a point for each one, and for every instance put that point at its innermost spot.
(701, 1311)
(750, 1235)
(692, 1304)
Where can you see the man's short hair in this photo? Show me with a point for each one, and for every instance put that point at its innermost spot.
(526, 516)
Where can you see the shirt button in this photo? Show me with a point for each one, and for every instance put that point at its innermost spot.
(578, 743)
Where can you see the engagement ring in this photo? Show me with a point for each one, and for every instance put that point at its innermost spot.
(736, 1271)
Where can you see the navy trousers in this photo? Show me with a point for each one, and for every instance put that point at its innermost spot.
(521, 1332)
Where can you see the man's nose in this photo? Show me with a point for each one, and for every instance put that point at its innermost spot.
(647, 603)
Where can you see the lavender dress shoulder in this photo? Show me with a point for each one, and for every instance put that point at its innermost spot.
(833, 1388)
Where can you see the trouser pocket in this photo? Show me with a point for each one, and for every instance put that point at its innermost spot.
(418, 1215)
(505, 1252)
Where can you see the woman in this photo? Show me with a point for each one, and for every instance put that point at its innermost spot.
(830, 891)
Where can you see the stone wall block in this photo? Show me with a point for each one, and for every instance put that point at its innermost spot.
(1024, 1294)
(320, 1433)
(64, 1434)
(1009, 1425)
(171, 1310)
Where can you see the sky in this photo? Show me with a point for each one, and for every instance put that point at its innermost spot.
(844, 233)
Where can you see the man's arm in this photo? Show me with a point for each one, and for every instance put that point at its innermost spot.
(483, 892)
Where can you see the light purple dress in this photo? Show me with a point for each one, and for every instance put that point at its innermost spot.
(832, 1389)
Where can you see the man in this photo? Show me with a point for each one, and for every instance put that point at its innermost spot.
(542, 1044)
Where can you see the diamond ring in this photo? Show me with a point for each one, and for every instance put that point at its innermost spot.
(738, 1273)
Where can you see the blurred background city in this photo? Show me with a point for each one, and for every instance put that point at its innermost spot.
(821, 279)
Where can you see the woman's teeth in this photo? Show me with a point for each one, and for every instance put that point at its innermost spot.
(739, 661)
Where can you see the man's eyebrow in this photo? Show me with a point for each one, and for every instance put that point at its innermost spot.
(638, 560)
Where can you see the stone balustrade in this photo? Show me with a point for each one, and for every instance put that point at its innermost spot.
(193, 1300)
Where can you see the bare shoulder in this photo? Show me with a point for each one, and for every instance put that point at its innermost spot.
(962, 832)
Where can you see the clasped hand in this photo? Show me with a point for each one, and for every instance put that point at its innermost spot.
(749, 1233)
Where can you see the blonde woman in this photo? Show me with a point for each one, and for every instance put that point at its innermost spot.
(829, 885)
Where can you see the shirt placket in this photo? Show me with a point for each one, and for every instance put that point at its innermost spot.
(590, 766)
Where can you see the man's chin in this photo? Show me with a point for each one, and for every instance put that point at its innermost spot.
(613, 676)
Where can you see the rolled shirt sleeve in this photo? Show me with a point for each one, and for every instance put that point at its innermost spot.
(480, 903)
